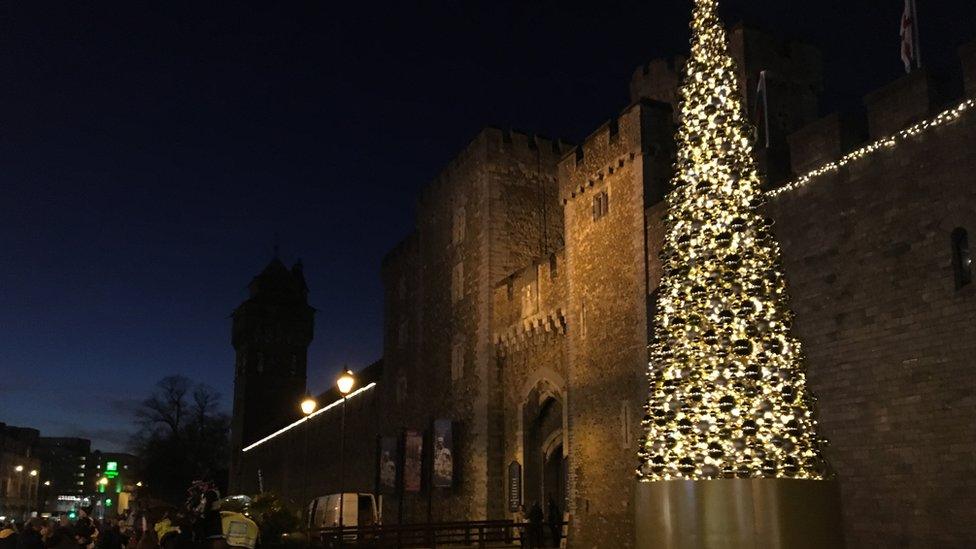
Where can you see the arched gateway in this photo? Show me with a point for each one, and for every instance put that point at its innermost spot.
(544, 452)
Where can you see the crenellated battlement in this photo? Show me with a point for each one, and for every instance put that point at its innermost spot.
(658, 80)
(530, 302)
(497, 146)
(967, 54)
(645, 127)
(909, 105)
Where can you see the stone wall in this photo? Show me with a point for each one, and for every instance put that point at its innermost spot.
(889, 338)
(489, 213)
(605, 187)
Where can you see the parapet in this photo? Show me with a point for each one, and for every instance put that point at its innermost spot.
(645, 127)
(495, 145)
(522, 146)
(824, 140)
(658, 80)
(530, 303)
(967, 54)
(903, 102)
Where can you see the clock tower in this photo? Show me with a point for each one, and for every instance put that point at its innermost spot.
(271, 332)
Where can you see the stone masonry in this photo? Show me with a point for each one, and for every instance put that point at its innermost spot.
(519, 308)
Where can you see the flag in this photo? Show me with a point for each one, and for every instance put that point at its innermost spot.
(761, 111)
(909, 47)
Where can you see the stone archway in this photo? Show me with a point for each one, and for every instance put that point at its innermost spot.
(543, 448)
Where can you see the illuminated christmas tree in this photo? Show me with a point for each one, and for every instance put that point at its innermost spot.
(728, 394)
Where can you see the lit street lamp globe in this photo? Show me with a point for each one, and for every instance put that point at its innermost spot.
(103, 481)
(346, 382)
(309, 405)
(33, 472)
(19, 468)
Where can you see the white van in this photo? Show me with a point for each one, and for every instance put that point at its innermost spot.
(358, 510)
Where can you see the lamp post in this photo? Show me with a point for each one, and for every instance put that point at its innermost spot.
(344, 384)
(308, 406)
(20, 469)
(31, 483)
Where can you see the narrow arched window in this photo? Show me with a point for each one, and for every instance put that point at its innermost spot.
(961, 261)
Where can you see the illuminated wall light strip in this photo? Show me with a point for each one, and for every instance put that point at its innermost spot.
(942, 118)
(308, 417)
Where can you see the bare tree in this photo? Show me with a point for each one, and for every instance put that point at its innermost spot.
(167, 405)
(182, 436)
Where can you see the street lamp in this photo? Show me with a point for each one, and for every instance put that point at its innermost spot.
(19, 468)
(33, 472)
(345, 384)
(308, 406)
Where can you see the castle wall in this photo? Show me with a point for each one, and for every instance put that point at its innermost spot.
(889, 338)
(502, 189)
(283, 466)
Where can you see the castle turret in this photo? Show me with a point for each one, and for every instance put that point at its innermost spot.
(271, 333)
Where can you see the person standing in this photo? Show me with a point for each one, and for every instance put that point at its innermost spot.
(8, 536)
(30, 536)
(519, 520)
(535, 525)
(85, 530)
(110, 537)
(555, 520)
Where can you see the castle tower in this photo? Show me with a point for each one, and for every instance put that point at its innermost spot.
(271, 333)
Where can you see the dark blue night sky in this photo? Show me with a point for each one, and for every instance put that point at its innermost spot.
(151, 151)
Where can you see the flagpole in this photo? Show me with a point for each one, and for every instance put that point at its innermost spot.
(918, 32)
(766, 104)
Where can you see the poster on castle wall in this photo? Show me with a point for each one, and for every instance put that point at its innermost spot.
(443, 476)
(413, 460)
(389, 458)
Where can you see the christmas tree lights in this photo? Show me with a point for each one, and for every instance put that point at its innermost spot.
(728, 396)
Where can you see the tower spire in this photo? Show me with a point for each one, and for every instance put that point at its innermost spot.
(728, 394)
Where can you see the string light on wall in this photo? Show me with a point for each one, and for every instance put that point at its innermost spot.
(308, 417)
(728, 394)
(945, 117)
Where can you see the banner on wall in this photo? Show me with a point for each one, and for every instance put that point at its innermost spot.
(389, 458)
(514, 486)
(413, 460)
(443, 454)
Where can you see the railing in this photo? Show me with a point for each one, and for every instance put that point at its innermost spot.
(487, 533)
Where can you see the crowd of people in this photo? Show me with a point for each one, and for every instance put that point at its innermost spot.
(85, 532)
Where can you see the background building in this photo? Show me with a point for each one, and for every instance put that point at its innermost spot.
(518, 310)
(19, 472)
(64, 472)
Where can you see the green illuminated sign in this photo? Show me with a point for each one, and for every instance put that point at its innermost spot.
(108, 502)
(112, 466)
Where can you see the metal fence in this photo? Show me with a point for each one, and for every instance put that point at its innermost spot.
(486, 533)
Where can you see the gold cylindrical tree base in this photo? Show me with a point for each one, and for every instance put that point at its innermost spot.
(738, 514)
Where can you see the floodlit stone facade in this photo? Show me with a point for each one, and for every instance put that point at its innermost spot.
(519, 308)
